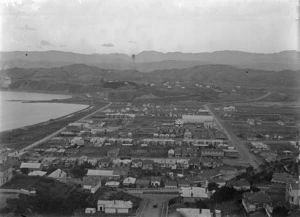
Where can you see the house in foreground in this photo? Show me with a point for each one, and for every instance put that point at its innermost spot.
(59, 175)
(253, 202)
(194, 212)
(5, 173)
(114, 206)
(91, 183)
(193, 194)
(31, 166)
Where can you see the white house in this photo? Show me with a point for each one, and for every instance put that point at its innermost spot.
(129, 181)
(114, 206)
(37, 173)
(112, 184)
(91, 183)
(77, 141)
(192, 194)
(194, 212)
(293, 192)
(5, 173)
(31, 166)
(59, 175)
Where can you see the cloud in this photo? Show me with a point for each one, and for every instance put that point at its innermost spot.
(108, 45)
(46, 43)
(132, 42)
(63, 45)
(28, 28)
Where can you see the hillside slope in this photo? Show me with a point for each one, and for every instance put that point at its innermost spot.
(148, 61)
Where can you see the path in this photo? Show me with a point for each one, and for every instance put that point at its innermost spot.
(245, 154)
(45, 139)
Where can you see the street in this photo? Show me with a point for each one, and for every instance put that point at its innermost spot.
(147, 209)
(245, 155)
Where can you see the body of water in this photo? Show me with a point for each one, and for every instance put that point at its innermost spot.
(14, 114)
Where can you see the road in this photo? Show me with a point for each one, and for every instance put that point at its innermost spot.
(147, 209)
(45, 139)
(245, 154)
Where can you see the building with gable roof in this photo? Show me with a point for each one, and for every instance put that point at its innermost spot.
(5, 173)
(257, 201)
(59, 175)
(114, 206)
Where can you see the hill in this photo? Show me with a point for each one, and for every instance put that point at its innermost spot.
(148, 61)
(84, 78)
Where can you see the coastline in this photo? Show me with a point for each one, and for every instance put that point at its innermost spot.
(20, 137)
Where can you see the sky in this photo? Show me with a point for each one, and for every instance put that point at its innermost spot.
(133, 26)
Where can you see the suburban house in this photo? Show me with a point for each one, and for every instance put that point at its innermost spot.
(5, 173)
(16, 157)
(147, 165)
(214, 153)
(31, 166)
(155, 181)
(171, 153)
(171, 184)
(239, 184)
(129, 181)
(105, 174)
(104, 162)
(231, 153)
(256, 201)
(114, 206)
(137, 163)
(112, 184)
(192, 194)
(113, 153)
(37, 173)
(184, 183)
(281, 178)
(91, 183)
(194, 212)
(142, 183)
(59, 175)
(83, 159)
(195, 163)
(293, 192)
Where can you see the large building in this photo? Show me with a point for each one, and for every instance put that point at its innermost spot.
(197, 118)
(114, 206)
(5, 173)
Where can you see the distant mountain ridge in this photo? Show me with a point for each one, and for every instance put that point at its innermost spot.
(148, 61)
(85, 78)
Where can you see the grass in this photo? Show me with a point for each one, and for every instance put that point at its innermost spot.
(20, 181)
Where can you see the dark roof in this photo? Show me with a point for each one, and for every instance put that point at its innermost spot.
(238, 183)
(148, 162)
(136, 160)
(91, 180)
(171, 183)
(281, 177)
(142, 181)
(104, 160)
(155, 178)
(258, 197)
(194, 160)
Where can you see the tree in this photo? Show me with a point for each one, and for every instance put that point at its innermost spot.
(224, 194)
(24, 171)
(212, 186)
